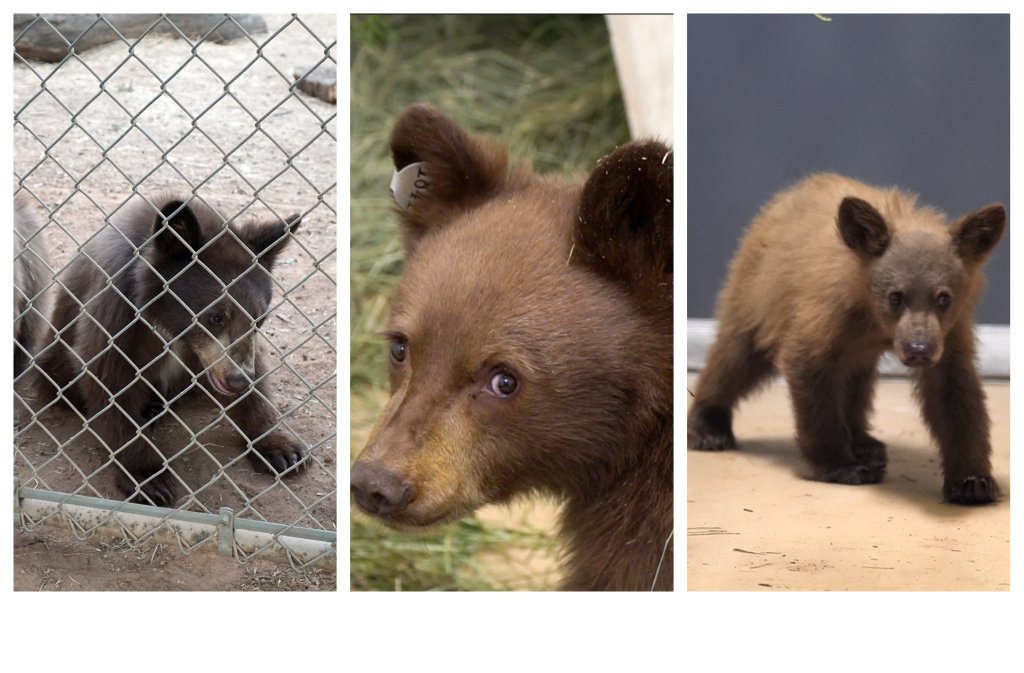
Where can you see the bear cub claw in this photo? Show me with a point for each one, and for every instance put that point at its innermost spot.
(279, 454)
(973, 490)
(160, 491)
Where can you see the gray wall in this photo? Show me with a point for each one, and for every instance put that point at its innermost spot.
(921, 102)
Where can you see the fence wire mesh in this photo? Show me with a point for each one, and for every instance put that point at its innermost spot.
(173, 157)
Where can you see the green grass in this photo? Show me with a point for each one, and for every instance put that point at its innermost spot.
(546, 86)
(441, 560)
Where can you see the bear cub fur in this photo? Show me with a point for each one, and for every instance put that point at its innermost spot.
(32, 276)
(530, 342)
(166, 296)
(831, 274)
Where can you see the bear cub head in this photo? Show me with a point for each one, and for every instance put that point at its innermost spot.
(923, 276)
(530, 336)
(219, 282)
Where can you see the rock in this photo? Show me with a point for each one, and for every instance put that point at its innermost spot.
(322, 82)
(49, 40)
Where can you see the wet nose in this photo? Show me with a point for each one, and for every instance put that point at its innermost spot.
(918, 353)
(378, 490)
(238, 381)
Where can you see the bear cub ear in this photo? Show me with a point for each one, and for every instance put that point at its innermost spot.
(623, 228)
(457, 171)
(975, 235)
(862, 227)
(182, 236)
(267, 238)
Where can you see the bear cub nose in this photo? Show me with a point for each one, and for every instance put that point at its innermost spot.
(918, 353)
(378, 490)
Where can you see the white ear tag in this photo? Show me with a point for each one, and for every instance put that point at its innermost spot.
(408, 184)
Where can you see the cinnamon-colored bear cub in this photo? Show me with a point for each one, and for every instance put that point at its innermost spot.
(531, 349)
(832, 274)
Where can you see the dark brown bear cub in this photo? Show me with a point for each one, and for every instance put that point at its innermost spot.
(832, 274)
(531, 350)
(169, 295)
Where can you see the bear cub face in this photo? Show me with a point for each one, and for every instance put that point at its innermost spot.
(216, 303)
(921, 279)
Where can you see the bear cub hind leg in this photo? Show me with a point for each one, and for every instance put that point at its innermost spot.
(710, 428)
(735, 368)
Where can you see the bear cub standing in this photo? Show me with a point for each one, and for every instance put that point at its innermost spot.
(167, 294)
(531, 349)
(831, 274)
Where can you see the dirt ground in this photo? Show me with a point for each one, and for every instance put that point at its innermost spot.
(754, 523)
(52, 560)
(153, 128)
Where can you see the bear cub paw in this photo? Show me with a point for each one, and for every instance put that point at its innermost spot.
(974, 490)
(857, 473)
(277, 453)
(868, 450)
(710, 429)
(159, 491)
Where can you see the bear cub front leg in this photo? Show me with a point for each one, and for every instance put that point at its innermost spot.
(830, 430)
(276, 452)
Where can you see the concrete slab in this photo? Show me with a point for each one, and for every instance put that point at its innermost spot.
(755, 523)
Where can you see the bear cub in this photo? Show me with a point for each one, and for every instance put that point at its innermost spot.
(530, 343)
(831, 274)
(166, 296)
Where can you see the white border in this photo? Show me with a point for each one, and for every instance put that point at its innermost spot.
(526, 632)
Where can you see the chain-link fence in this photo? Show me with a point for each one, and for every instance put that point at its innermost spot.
(175, 324)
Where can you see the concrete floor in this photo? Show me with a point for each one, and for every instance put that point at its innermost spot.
(755, 523)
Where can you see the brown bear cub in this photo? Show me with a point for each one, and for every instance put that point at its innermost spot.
(831, 274)
(530, 344)
(169, 295)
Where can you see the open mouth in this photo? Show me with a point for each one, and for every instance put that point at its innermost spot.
(219, 385)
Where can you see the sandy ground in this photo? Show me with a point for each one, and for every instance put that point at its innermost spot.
(754, 523)
(159, 125)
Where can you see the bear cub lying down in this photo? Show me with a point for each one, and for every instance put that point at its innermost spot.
(831, 274)
(168, 295)
(531, 349)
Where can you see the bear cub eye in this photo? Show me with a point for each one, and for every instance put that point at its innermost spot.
(503, 384)
(943, 300)
(399, 350)
(215, 319)
(895, 300)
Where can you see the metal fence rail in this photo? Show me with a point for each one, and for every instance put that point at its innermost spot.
(190, 531)
(212, 112)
